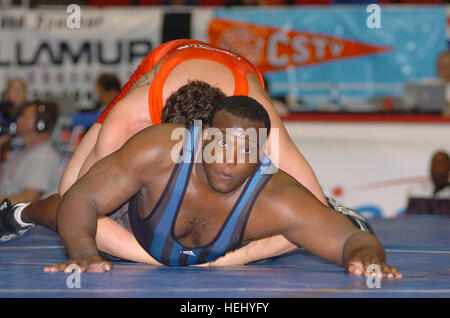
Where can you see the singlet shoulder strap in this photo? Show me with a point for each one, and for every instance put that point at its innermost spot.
(172, 193)
(233, 231)
(172, 199)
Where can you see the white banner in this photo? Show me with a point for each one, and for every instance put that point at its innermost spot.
(55, 57)
(370, 166)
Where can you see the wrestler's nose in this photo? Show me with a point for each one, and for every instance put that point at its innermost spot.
(230, 157)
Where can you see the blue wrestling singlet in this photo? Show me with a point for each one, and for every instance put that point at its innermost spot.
(155, 233)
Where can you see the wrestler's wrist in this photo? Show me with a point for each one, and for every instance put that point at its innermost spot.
(81, 247)
(362, 243)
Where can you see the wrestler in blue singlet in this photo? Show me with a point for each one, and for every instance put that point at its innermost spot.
(155, 233)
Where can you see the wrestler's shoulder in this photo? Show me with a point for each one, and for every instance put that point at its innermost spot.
(281, 187)
(160, 134)
(278, 202)
(157, 138)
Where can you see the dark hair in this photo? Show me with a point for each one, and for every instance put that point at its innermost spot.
(47, 111)
(109, 82)
(441, 153)
(193, 101)
(244, 107)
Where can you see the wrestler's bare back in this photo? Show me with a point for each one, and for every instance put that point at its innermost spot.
(131, 114)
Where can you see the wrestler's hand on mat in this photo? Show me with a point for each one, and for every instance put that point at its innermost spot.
(359, 264)
(92, 264)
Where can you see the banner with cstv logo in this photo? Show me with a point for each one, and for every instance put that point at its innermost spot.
(335, 56)
(329, 56)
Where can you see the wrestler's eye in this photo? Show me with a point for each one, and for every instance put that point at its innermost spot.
(223, 143)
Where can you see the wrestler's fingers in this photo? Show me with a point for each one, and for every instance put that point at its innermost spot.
(354, 268)
(372, 265)
(53, 268)
(66, 267)
(396, 272)
(391, 272)
(99, 267)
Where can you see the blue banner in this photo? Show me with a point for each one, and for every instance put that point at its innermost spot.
(336, 55)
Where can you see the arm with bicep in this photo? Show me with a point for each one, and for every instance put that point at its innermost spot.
(332, 236)
(109, 183)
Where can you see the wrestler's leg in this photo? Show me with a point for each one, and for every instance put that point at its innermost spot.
(89, 150)
(282, 148)
(128, 116)
(71, 171)
(114, 239)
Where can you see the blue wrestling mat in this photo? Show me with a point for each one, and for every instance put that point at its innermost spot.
(418, 246)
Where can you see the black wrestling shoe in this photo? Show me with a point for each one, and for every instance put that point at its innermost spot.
(357, 219)
(9, 228)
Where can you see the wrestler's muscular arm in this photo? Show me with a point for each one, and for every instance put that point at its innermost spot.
(109, 183)
(291, 210)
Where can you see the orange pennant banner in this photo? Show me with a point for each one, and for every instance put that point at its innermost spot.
(276, 49)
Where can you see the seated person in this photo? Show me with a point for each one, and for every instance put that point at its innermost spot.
(32, 171)
(107, 87)
(432, 197)
(188, 210)
(15, 96)
(438, 187)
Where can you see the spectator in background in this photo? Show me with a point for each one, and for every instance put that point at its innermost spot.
(15, 93)
(438, 187)
(33, 171)
(107, 87)
(13, 99)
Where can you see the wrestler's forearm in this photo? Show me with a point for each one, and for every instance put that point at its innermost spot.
(42, 212)
(77, 226)
(255, 251)
(362, 241)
